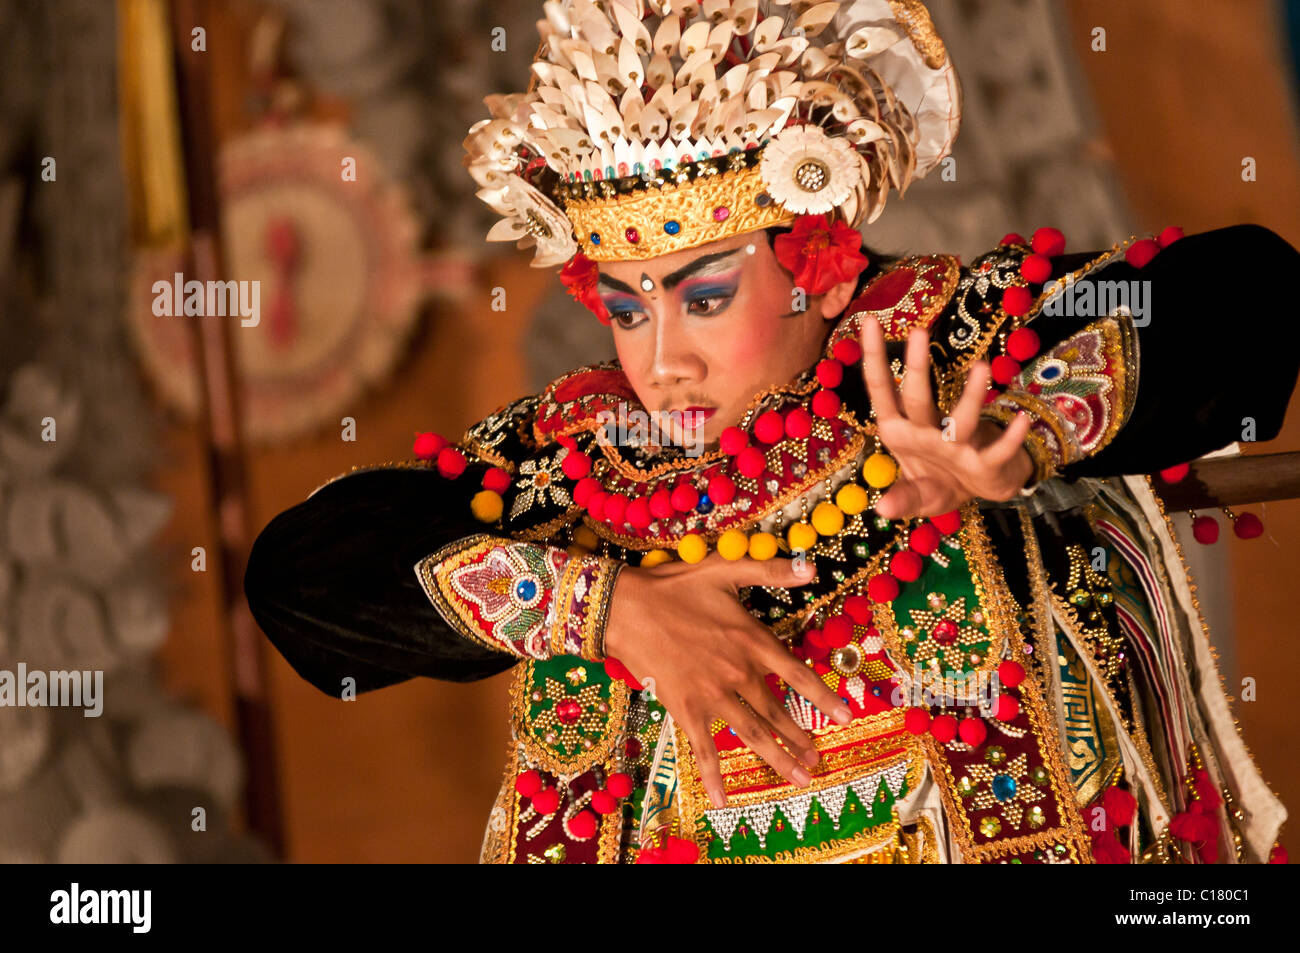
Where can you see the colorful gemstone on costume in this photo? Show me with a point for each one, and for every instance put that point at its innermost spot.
(672, 227)
(568, 711)
(633, 235)
(595, 238)
(721, 213)
(1004, 787)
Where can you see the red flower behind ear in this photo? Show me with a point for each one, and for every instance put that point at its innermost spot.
(820, 253)
(579, 276)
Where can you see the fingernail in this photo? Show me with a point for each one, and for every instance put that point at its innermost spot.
(803, 568)
(717, 797)
(842, 715)
(801, 777)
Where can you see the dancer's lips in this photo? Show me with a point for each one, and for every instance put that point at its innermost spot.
(696, 416)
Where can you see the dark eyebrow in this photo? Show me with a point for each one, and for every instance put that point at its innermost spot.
(677, 277)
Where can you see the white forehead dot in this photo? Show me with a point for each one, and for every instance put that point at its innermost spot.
(750, 249)
(647, 284)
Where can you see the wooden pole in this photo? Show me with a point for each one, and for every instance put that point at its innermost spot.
(1230, 481)
(219, 423)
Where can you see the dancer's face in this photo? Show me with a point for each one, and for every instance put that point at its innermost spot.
(712, 327)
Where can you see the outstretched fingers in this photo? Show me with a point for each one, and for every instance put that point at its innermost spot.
(876, 374)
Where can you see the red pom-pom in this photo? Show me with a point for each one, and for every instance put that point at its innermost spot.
(924, 539)
(1205, 529)
(1007, 708)
(858, 608)
(1022, 344)
(546, 801)
(1169, 236)
(1140, 253)
(882, 587)
(428, 445)
(1017, 301)
(769, 427)
(830, 373)
(826, 404)
(496, 480)
(721, 489)
(615, 509)
(1036, 269)
(1175, 474)
(451, 462)
(596, 504)
(733, 440)
(1004, 369)
(1278, 855)
(678, 850)
(638, 513)
(944, 728)
(576, 465)
(1120, 806)
(906, 566)
(528, 783)
(1247, 526)
(917, 720)
(650, 855)
(991, 395)
(602, 802)
(847, 351)
(973, 731)
(1048, 241)
(1013, 238)
(814, 644)
(619, 784)
(1011, 673)
(947, 523)
(567, 441)
(750, 462)
(661, 505)
(583, 825)
(684, 497)
(838, 631)
(798, 423)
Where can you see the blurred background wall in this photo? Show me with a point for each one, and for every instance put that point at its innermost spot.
(387, 323)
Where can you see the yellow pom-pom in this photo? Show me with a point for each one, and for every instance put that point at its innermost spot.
(733, 544)
(486, 506)
(851, 498)
(692, 548)
(762, 546)
(801, 536)
(827, 519)
(656, 557)
(879, 470)
(583, 536)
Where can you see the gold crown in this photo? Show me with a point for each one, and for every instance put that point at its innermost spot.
(671, 210)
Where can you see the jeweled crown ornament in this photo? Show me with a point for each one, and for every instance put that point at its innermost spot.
(652, 126)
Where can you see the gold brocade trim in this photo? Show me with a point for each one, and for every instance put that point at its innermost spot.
(563, 602)
(1082, 698)
(1042, 726)
(599, 597)
(915, 18)
(793, 624)
(867, 841)
(542, 756)
(850, 326)
(691, 204)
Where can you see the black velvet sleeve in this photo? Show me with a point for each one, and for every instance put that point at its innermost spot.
(1220, 343)
(332, 580)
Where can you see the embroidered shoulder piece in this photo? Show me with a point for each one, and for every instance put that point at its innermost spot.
(527, 599)
(1079, 394)
(574, 402)
(909, 294)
